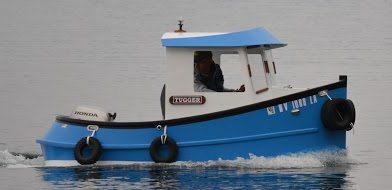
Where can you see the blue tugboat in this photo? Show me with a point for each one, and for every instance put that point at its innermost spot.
(204, 120)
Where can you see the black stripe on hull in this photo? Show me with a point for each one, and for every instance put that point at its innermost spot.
(342, 83)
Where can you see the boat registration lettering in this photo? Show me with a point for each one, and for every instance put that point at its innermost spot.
(187, 100)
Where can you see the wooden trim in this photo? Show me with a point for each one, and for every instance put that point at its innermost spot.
(249, 71)
(273, 64)
(266, 67)
(261, 91)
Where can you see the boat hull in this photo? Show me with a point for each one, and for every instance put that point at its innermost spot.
(262, 132)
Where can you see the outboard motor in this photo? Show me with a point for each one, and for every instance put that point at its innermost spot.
(92, 114)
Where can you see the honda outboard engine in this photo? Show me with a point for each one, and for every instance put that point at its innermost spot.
(92, 114)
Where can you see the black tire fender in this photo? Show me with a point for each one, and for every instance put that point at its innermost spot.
(156, 146)
(338, 114)
(96, 149)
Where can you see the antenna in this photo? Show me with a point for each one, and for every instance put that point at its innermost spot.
(180, 24)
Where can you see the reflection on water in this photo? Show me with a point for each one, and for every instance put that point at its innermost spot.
(168, 177)
(313, 170)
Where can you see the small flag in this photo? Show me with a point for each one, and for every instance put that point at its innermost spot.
(271, 110)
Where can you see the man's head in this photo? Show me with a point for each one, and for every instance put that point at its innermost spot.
(203, 61)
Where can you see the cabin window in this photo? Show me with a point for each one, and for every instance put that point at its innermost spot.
(257, 70)
(217, 72)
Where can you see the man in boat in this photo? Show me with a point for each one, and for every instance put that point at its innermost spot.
(208, 75)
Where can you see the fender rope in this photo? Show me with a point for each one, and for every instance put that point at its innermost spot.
(93, 129)
(325, 93)
(164, 135)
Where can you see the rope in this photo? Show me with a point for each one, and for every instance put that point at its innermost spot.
(337, 111)
(93, 129)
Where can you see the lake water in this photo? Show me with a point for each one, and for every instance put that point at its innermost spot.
(55, 55)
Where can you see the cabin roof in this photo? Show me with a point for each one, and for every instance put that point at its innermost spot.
(252, 37)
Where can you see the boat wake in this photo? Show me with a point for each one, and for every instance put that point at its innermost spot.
(299, 160)
(292, 161)
(20, 160)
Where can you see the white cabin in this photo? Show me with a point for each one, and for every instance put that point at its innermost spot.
(248, 52)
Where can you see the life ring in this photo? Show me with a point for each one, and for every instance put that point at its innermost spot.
(338, 114)
(96, 151)
(155, 150)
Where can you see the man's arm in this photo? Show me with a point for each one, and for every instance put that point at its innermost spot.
(228, 90)
(200, 87)
(241, 89)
